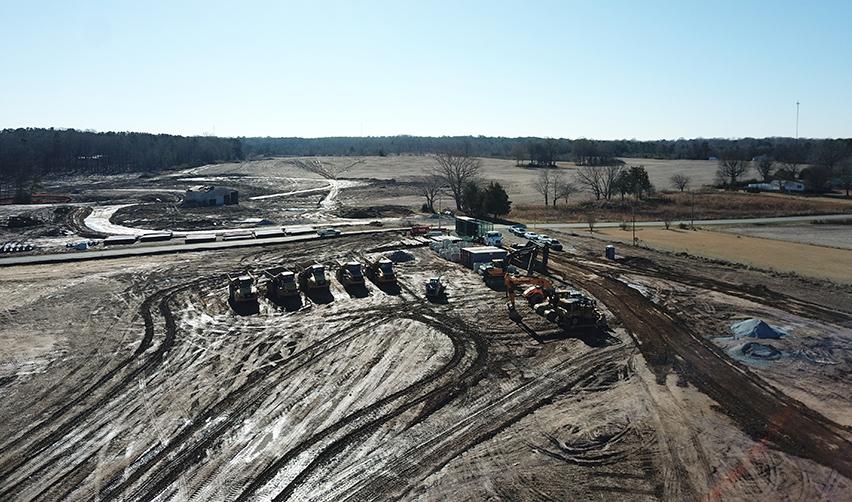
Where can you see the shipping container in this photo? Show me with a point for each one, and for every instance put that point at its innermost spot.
(480, 254)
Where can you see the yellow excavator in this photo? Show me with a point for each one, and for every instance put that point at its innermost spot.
(567, 309)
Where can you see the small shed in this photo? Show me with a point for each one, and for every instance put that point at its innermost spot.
(209, 195)
(480, 254)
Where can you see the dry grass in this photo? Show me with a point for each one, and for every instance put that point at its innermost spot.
(802, 259)
(678, 206)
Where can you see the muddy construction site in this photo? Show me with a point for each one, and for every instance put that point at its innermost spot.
(134, 379)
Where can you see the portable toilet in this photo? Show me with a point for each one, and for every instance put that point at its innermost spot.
(610, 252)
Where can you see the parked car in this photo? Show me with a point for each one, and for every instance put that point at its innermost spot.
(555, 245)
(518, 229)
(531, 236)
(328, 232)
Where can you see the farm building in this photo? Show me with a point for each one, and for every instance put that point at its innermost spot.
(209, 195)
(776, 186)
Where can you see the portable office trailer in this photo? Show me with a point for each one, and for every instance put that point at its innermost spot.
(480, 254)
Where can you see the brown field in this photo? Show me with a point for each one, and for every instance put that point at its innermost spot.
(140, 379)
(518, 181)
(836, 236)
(803, 259)
(678, 206)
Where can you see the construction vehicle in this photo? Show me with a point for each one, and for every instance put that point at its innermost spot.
(523, 257)
(313, 277)
(242, 288)
(381, 271)
(434, 288)
(282, 285)
(419, 230)
(566, 308)
(491, 238)
(350, 274)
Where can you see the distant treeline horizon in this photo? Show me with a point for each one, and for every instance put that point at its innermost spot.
(27, 154)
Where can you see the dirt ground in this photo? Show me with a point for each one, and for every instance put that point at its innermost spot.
(838, 236)
(791, 257)
(155, 388)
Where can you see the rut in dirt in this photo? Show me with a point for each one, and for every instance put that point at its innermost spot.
(762, 411)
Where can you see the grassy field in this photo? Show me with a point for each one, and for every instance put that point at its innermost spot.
(803, 259)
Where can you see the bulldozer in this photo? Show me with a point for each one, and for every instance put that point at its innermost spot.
(313, 277)
(242, 288)
(566, 308)
(282, 285)
(435, 288)
(350, 274)
(381, 271)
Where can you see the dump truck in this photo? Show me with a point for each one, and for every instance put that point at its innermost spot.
(313, 277)
(282, 285)
(242, 288)
(350, 274)
(567, 309)
(381, 271)
(434, 288)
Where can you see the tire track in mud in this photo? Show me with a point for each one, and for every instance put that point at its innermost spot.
(762, 411)
(399, 475)
(170, 463)
(56, 435)
(755, 293)
(460, 340)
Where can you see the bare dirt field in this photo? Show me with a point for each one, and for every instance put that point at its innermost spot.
(838, 236)
(155, 388)
(805, 259)
(715, 204)
(136, 379)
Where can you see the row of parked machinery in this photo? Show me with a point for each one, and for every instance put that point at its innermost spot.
(283, 285)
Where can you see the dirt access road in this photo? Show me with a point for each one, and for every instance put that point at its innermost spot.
(154, 388)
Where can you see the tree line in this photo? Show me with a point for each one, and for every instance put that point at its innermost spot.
(27, 155)
(546, 151)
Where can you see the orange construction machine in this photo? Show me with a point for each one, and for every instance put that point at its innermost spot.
(566, 308)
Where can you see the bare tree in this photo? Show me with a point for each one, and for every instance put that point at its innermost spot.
(457, 170)
(844, 175)
(765, 165)
(563, 189)
(431, 188)
(730, 170)
(589, 177)
(591, 219)
(600, 180)
(680, 181)
(544, 184)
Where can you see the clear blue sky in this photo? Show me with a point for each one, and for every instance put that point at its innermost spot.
(604, 70)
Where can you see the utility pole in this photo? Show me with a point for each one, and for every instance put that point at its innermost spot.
(633, 215)
(797, 120)
(692, 213)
